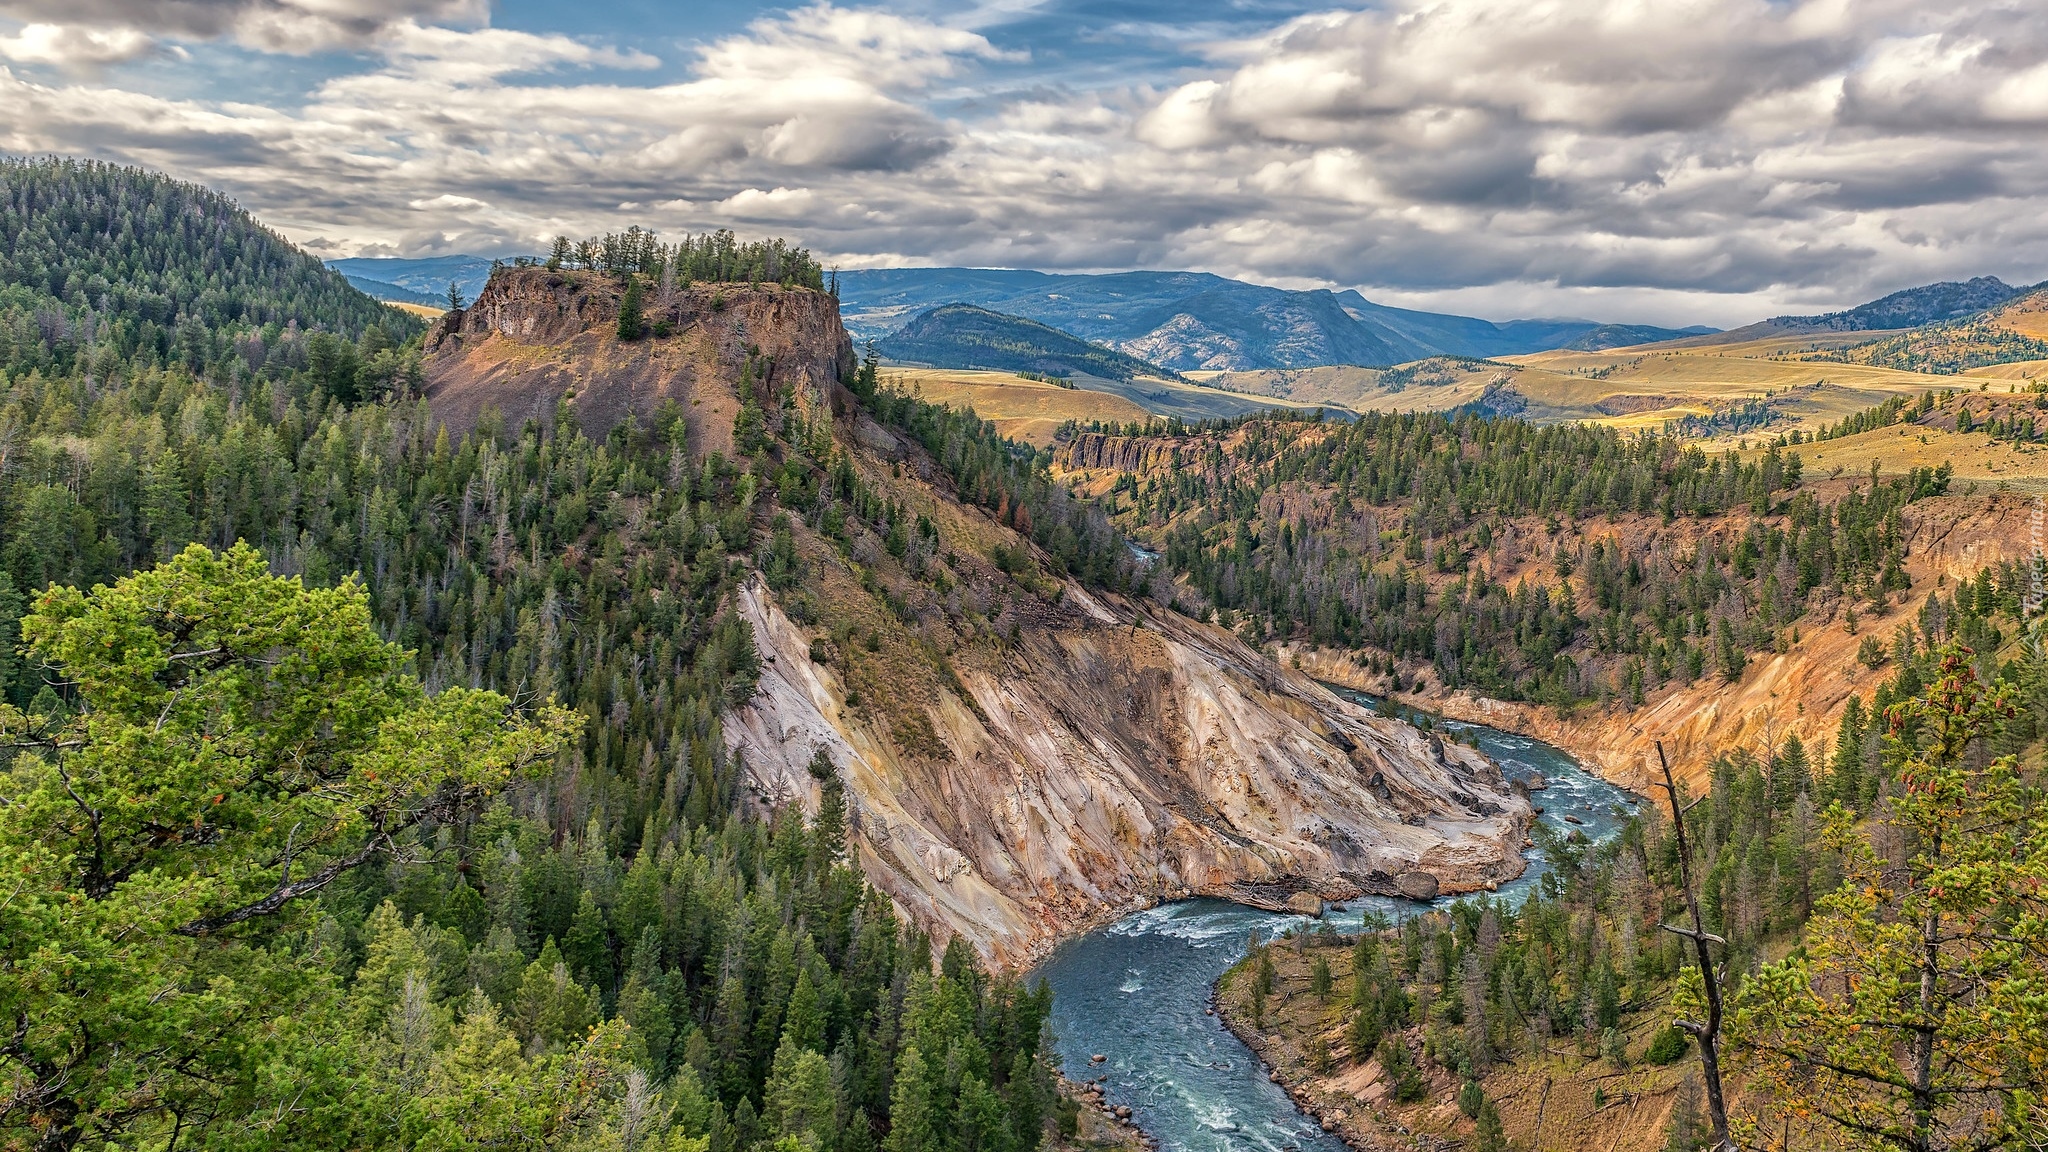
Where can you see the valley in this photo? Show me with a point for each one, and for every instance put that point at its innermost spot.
(958, 682)
(626, 704)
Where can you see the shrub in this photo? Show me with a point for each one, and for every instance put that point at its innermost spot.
(1666, 1046)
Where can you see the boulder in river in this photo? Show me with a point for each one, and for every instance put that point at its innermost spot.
(1306, 903)
(1416, 885)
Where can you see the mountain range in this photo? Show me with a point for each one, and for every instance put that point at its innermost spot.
(1190, 321)
(422, 281)
(1180, 321)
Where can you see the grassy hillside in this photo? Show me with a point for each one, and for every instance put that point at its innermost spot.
(1726, 395)
(1031, 411)
(964, 336)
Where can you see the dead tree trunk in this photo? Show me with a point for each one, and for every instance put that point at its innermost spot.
(1708, 1033)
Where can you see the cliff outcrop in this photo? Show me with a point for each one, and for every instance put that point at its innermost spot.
(1092, 451)
(536, 336)
(1022, 758)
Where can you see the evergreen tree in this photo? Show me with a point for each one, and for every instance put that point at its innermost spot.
(1908, 1013)
(631, 324)
(913, 1120)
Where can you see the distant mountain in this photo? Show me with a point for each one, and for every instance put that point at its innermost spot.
(964, 336)
(1910, 308)
(1195, 320)
(393, 292)
(1629, 335)
(427, 277)
(1907, 308)
(1180, 321)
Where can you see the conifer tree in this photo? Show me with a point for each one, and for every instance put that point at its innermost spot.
(632, 325)
(1912, 1018)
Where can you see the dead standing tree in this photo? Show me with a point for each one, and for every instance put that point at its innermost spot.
(1708, 1033)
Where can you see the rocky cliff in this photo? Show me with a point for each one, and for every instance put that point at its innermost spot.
(1090, 451)
(535, 337)
(1103, 762)
(1022, 758)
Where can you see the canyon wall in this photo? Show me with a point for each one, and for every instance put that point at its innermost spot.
(1030, 765)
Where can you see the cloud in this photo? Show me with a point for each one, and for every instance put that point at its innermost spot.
(1731, 146)
(76, 49)
(289, 26)
(1733, 156)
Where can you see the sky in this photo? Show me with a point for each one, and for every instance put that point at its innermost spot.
(1653, 161)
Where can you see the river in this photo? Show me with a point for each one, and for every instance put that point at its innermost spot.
(1136, 990)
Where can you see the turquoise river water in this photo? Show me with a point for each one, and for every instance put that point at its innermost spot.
(1135, 991)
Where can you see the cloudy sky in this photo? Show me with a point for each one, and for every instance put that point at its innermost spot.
(1671, 161)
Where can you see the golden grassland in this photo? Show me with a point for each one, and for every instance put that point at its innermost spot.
(1027, 410)
(1033, 410)
(1981, 463)
(1641, 388)
(423, 311)
(1652, 386)
(2027, 316)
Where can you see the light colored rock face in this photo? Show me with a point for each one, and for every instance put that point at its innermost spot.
(1100, 768)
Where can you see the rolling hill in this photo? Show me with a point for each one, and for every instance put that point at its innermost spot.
(1190, 321)
(2008, 333)
(104, 265)
(1912, 307)
(394, 294)
(428, 277)
(964, 336)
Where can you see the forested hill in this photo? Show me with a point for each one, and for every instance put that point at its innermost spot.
(1427, 538)
(302, 858)
(135, 268)
(964, 336)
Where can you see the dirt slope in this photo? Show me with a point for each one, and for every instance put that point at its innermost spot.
(1803, 690)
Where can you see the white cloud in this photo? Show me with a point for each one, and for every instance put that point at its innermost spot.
(75, 48)
(1731, 156)
(289, 26)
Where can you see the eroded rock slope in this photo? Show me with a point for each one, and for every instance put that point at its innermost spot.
(1023, 758)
